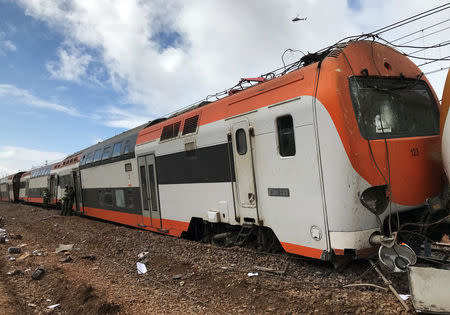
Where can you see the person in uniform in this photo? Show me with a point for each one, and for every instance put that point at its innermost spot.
(45, 197)
(65, 200)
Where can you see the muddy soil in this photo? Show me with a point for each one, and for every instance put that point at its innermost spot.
(183, 277)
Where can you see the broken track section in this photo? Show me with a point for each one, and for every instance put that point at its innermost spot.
(182, 276)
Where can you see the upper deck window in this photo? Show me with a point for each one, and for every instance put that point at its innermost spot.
(393, 108)
(88, 158)
(97, 155)
(116, 149)
(127, 147)
(106, 153)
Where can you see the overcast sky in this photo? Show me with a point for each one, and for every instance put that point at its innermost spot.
(74, 72)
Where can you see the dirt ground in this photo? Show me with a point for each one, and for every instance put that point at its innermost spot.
(183, 277)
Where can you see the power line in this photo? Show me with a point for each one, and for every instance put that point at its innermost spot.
(417, 38)
(412, 19)
(434, 60)
(437, 70)
(426, 28)
(441, 44)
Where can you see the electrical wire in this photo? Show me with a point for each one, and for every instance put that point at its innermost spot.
(424, 224)
(426, 28)
(441, 44)
(438, 70)
(427, 35)
(290, 50)
(434, 60)
(412, 19)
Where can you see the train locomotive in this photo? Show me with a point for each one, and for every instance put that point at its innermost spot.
(316, 158)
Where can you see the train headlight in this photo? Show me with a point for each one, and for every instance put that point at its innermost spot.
(375, 199)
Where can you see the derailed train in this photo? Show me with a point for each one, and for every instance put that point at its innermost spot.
(296, 158)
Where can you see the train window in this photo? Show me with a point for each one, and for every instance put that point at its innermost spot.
(130, 200)
(393, 108)
(108, 197)
(120, 198)
(126, 149)
(241, 142)
(128, 167)
(190, 125)
(116, 149)
(106, 153)
(88, 158)
(83, 159)
(97, 155)
(286, 139)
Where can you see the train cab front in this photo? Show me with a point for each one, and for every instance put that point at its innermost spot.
(389, 126)
(399, 121)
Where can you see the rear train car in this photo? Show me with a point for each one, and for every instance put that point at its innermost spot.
(4, 189)
(10, 187)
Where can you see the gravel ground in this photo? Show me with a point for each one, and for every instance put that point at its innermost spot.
(183, 277)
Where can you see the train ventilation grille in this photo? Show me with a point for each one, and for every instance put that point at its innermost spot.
(170, 131)
(190, 125)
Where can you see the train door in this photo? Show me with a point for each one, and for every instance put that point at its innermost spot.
(77, 187)
(51, 188)
(27, 189)
(8, 194)
(149, 190)
(244, 187)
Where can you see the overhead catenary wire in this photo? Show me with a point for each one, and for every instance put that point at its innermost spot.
(441, 44)
(423, 29)
(437, 70)
(446, 58)
(412, 19)
(427, 35)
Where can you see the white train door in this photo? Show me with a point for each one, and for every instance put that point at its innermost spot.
(149, 191)
(244, 187)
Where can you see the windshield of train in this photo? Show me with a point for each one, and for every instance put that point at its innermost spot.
(393, 108)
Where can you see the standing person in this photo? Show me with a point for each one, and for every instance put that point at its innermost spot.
(71, 200)
(45, 197)
(65, 200)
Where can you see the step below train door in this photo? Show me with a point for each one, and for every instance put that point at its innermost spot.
(149, 191)
(244, 186)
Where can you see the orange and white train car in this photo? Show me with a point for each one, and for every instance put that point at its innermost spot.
(304, 154)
